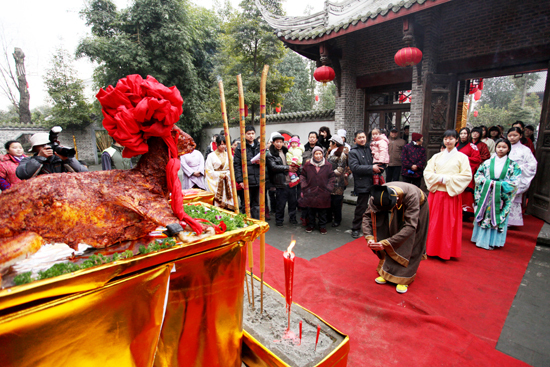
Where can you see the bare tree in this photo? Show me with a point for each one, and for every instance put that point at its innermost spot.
(15, 81)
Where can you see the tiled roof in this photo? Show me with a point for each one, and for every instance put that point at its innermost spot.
(337, 17)
(317, 115)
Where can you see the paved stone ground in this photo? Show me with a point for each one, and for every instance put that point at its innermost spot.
(526, 332)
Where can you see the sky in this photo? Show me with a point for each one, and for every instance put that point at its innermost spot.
(39, 27)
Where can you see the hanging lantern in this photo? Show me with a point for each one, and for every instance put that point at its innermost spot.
(480, 84)
(278, 108)
(475, 113)
(316, 98)
(408, 56)
(324, 74)
(477, 95)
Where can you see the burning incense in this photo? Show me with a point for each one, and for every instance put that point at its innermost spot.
(262, 178)
(288, 258)
(300, 332)
(317, 338)
(228, 144)
(244, 166)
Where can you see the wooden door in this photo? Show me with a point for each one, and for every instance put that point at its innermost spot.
(439, 109)
(539, 193)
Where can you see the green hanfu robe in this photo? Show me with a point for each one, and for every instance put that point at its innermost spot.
(402, 232)
(494, 194)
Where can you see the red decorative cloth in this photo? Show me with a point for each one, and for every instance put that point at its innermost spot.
(136, 110)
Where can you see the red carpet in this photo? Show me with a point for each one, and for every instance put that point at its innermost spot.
(452, 314)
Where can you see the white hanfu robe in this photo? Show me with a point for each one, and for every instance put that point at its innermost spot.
(191, 163)
(216, 167)
(523, 156)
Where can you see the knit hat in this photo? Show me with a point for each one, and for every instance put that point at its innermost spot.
(276, 135)
(316, 149)
(295, 139)
(416, 136)
(342, 133)
(337, 139)
(383, 197)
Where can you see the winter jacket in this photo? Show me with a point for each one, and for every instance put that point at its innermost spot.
(380, 150)
(411, 155)
(360, 162)
(339, 167)
(8, 165)
(30, 165)
(253, 169)
(277, 167)
(395, 148)
(316, 186)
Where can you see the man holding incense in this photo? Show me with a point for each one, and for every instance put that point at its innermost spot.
(395, 226)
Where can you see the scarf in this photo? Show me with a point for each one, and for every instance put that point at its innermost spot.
(318, 163)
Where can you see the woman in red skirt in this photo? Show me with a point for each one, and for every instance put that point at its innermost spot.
(447, 175)
(466, 146)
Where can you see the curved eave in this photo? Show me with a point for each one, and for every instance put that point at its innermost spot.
(341, 30)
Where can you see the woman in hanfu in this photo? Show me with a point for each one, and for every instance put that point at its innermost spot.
(523, 156)
(496, 184)
(447, 175)
(466, 146)
(218, 178)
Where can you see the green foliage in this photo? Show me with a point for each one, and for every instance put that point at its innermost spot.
(301, 95)
(501, 102)
(248, 43)
(171, 40)
(66, 91)
(497, 92)
(215, 216)
(327, 97)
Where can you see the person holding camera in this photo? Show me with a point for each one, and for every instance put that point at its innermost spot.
(45, 160)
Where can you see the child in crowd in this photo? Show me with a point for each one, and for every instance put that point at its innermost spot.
(294, 158)
(380, 154)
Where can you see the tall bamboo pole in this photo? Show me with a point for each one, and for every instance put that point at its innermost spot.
(230, 158)
(244, 164)
(228, 145)
(262, 178)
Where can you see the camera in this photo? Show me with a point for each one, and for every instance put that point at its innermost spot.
(58, 148)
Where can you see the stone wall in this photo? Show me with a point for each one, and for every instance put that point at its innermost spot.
(85, 139)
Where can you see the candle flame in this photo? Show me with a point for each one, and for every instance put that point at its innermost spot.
(291, 246)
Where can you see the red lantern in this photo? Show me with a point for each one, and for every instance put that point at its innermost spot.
(278, 108)
(475, 113)
(477, 95)
(481, 84)
(408, 56)
(324, 74)
(316, 98)
(245, 110)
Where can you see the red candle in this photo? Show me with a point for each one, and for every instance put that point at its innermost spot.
(288, 258)
(317, 338)
(300, 332)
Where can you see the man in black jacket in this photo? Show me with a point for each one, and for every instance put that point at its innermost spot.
(252, 149)
(45, 161)
(279, 178)
(362, 167)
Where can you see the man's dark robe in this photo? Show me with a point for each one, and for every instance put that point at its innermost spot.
(402, 232)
